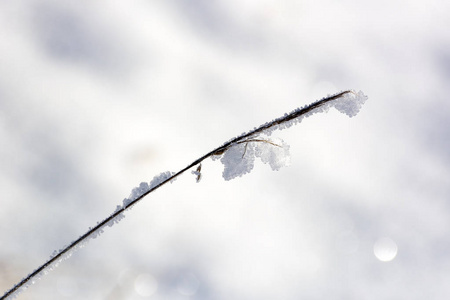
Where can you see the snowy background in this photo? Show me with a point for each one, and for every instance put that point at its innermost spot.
(96, 97)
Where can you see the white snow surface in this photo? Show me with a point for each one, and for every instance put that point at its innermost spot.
(120, 88)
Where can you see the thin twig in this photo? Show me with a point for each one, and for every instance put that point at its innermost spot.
(255, 140)
(246, 137)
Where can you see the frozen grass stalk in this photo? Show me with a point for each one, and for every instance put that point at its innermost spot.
(237, 155)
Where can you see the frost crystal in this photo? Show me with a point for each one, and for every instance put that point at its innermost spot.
(198, 173)
(144, 187)
(160, 178)
(239, 156)
(136, 193)
(117, 218)
(350, 103)
(239, 159)
(277, 156)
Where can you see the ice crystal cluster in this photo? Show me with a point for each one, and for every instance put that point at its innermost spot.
(144, 187)
(351, 103)
(239, 158)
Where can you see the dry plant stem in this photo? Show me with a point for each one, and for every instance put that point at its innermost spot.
(220, 150)
(255, 140)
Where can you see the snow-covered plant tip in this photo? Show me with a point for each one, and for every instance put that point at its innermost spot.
(238, 157)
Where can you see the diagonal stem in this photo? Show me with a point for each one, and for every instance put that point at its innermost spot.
(219, 150)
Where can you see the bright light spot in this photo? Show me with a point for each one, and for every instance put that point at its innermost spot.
(188, 284)
(385, 249)
(145, 285)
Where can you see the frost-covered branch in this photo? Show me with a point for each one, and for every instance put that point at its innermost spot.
(237, 155)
